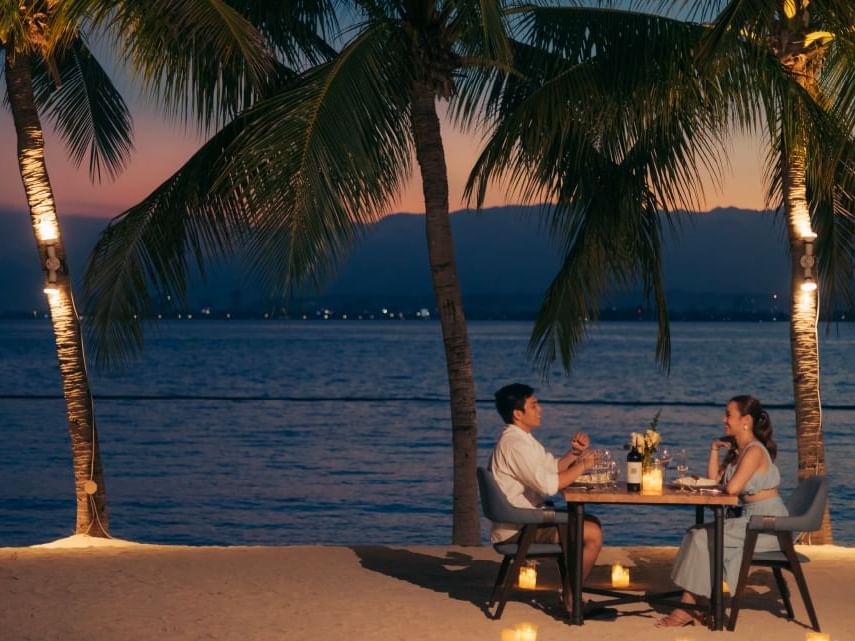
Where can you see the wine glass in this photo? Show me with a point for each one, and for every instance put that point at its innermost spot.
(614, 472)
(682, 463)
(665, 457)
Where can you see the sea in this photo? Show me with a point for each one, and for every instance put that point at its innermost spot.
(338, 432)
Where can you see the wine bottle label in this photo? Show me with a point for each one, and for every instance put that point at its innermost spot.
(633, 472)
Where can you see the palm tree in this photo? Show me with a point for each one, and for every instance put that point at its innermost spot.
(785, 66)
(294, 180)
(49, 68)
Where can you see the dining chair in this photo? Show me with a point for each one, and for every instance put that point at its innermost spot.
(806, 506)
(498, 509)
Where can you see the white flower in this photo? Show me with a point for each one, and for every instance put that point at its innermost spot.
(652, 439)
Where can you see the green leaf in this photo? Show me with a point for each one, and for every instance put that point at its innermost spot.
(86, 109)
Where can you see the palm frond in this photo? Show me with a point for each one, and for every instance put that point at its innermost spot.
(149, 251)
(290, 182)
(611, 238)
(327, 156)
(298, 30)
(85, 108)
(197, 58)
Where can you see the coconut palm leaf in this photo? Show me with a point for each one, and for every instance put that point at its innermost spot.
(208, 66)
(148, 251)
(589, 126)
(86, 109)
(291, 182)
(329, 156)
(298, 29)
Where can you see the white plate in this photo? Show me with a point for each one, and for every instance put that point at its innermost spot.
(591, 479)
(688, 481)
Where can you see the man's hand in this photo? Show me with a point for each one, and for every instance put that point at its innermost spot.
(579, 443)
(587, 460)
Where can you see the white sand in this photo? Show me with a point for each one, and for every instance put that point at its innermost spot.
(80, 589)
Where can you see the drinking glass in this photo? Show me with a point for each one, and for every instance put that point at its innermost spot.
(665, 457)
(682, 463)
(614, 473)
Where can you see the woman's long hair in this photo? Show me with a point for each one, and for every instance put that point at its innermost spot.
(761, 425)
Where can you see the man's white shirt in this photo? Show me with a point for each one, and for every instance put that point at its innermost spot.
(525, 473)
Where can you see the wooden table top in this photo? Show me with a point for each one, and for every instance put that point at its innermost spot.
(669, 496)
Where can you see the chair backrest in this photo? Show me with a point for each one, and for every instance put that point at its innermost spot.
(496, 506)
(807, 503)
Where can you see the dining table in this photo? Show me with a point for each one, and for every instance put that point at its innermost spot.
(578, 496)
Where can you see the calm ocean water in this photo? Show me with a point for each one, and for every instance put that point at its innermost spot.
(338, 432)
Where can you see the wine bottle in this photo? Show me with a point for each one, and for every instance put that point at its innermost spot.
(633, 470)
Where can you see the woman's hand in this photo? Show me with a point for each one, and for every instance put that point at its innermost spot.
(718, 443)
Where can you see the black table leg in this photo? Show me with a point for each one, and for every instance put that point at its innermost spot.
(699, 514)
(578, 524)
(718, 566)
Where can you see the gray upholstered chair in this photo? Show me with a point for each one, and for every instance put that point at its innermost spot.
(806, 506)
(498, 509)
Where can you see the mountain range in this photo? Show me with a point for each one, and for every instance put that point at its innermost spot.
(726, 259)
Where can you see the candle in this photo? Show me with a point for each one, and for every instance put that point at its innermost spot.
(528, 577)
(651, 481)
(526, 632)
(620, 576)
(817, 636)
(522, 632)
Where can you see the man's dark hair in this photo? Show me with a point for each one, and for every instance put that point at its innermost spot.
(512, 397)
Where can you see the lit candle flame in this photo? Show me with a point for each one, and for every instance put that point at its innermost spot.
(528, 578)
(620, 576)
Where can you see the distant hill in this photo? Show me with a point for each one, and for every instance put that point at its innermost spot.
(724, 259)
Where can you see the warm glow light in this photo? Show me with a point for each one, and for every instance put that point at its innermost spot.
(528, 577)
(652, 481)
(620, 576)
(47, 230)
(52, 294)
(526, 632)
(817, 636)
(808, 234)
(809, 285)
(522, 632)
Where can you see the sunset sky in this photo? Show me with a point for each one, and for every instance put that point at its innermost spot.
(161, 147)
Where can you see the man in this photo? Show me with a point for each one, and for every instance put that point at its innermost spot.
(526, 473)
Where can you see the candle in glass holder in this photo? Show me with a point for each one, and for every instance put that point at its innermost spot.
(817, 636)
(528, 577)
(652, 480)
(620, 576)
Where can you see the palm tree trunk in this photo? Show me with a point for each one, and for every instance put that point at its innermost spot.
(804, 343)
(86, 460)
(466, 529)
(804, 66)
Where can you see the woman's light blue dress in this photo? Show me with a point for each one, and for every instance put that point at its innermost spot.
(692, 569)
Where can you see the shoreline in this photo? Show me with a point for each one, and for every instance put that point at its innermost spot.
(75, 589)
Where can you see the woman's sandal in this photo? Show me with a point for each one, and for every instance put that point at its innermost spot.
(677, 619)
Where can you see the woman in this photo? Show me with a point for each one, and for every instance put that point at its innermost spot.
(747, 471)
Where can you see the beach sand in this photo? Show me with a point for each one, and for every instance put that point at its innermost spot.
(122, 591)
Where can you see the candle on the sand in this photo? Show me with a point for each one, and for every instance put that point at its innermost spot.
(817, 636)
(522, 632)
(620, 576)
(528, 577)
